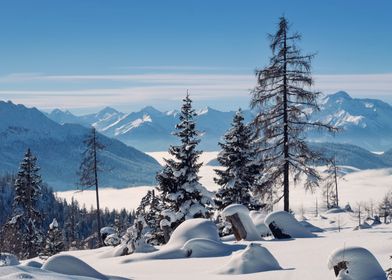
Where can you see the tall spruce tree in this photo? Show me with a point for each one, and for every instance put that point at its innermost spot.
(88, 171)
(182, 195)
(284, 98)
(240, 172)
(22, 233)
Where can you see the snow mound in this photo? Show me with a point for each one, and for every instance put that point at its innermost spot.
(202, 248)
(244, 215)
(254, 258)
(33, 263)
(360, 264)
(69, 265)
(193, 238)
(284, 225)
(335, 210)
(193, 228)
(258, 218)
(365, 225)
(7, 259)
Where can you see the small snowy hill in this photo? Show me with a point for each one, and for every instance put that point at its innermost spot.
(59, 147)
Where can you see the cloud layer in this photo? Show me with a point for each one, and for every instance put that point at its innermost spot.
(88, 91)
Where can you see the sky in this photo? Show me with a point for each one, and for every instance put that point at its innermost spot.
(83, 55)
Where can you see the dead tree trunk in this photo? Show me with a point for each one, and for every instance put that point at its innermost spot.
(238, 228)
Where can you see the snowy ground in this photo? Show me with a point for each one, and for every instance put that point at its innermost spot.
(301, 258)
(363, 186)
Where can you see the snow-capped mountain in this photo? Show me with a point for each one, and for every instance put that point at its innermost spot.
(151, 130)
(59, 147)
(363, 122)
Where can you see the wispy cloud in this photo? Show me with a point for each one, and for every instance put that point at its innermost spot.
(150, 88)
(182, 68)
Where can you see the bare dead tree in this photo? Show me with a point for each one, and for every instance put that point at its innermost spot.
(88, 171)
(284, 100)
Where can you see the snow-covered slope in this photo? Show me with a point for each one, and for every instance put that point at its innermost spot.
(59, 147)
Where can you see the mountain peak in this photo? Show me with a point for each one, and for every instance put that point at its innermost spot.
(150, 110)
(108, 110)
(340, 95)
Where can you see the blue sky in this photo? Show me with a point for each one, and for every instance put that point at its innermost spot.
(83, 55)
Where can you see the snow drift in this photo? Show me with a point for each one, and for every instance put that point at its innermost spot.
(193, 228)
(66, 264)
(254, 258)
(193, 238)
(283, 225)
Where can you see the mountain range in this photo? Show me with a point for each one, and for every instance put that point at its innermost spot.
(150, 129)
(363, 122)
(59, 148)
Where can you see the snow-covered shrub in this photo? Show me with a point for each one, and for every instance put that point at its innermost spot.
(112, 240)
(7, 259)
(134, 241)
(110, 236)
(54, 242)
(254, 258)
(357, 263)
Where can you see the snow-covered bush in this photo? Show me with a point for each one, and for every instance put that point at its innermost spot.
(110, 236)
(112, 240)
(7, 259)
(54, 242)
(355, 263)
(134, 241)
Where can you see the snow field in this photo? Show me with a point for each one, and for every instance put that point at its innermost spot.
(302, 258)
(356, 187)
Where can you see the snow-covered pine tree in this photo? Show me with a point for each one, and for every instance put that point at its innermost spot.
(88, 171)
(22, 233)
(240, 173)
(284, 99)
(149, 214)
(181, 194)
(54, 242)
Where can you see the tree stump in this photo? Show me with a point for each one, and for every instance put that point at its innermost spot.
(238, 228)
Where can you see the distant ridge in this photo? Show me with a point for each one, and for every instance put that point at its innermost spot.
(59, 147)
